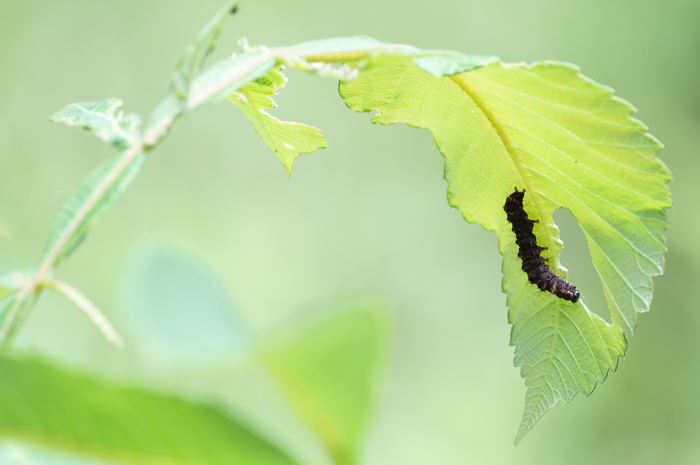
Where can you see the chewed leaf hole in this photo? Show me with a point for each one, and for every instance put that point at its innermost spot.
(576, 258)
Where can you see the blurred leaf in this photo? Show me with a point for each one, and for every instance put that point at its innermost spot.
(288, 140)
(162, 119)
(98, 192)
(193, 58)
(14, 452)
(571, 144)
(182, 310)
(189, 66)
(103, 120)
(227, 75)
(42, 405)
(330, 374)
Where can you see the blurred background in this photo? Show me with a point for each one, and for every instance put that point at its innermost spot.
(367, 217)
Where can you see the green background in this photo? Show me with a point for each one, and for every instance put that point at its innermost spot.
(367, 216)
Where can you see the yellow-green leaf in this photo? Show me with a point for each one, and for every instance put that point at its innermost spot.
(287, 139)
(571, 144)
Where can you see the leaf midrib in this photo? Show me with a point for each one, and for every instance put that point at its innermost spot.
(538, 206)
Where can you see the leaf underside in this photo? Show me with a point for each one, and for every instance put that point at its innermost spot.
(571, 144)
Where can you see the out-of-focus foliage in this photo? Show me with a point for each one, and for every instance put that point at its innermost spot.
(330, 375)
(49, 407)
(92, 196)
(104, 119)
(67, 413)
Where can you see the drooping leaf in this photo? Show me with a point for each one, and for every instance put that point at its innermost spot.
(287, 139)
(94, 197)
(41, 405)
(104, 119)
(330, 372)
(571, 144)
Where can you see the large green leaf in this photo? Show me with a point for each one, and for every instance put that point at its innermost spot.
(287, 139)
(330, 373)
(571, 144)
(104, 119)
(94, 197)
(42, 405)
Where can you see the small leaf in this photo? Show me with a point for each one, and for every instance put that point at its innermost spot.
(193, 58)
(287, 139)
(40, 404)
(104, 120)
(94, 197)
(330, 374)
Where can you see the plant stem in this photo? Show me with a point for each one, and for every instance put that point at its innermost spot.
(88, 308)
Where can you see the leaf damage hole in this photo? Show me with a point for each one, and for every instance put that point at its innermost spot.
(575, 256)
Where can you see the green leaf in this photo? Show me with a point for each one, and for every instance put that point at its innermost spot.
(162, 119)
(193, 58)
(104, 120)
(164, 288)
(187, 69)
(571, 144)
(227, 75)
(41, 405)
(94, 197)
(330, 374)
(287, 139)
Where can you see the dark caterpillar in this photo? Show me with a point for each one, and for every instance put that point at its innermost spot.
(533, 263)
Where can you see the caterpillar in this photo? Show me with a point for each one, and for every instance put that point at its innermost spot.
(534, 265)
